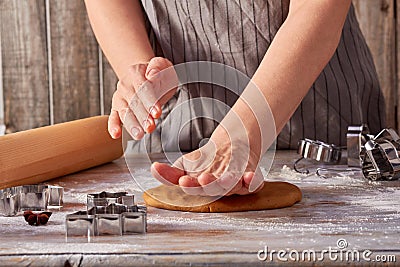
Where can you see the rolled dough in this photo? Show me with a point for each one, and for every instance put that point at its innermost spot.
(274, 195)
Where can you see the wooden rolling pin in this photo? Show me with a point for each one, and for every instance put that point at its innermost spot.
(37, 155)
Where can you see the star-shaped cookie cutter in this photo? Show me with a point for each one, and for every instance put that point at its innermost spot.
(108, 214)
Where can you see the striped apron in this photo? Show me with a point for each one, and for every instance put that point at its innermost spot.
(238, 33)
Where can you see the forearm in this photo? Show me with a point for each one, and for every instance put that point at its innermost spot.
(120, 30)
(301, 49)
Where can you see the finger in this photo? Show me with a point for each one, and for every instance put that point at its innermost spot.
(114, 125)
(142, 115)
(119, 105)
(131, 124)
(144, 91)
(228, 181)
(126, 116)
(166, 174)
(155, 65)
(168, 82)
(191, 186)
(244, 189)
(161, 72)
(241, 191)
(237, 188)
(210, 185)
(255, 182)
(129, 89)
(125, 95)
(248, 178)
(147, 94)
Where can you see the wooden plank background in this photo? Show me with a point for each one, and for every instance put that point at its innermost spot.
(53, 70)
(24, 60)
(377, 19)
(50, 64)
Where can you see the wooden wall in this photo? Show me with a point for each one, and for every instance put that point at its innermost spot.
(377, 19)
(52, 69)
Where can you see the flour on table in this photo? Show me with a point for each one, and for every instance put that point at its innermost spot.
(286, 173)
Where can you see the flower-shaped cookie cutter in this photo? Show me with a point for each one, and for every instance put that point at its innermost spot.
(380, 156)
(39, 197)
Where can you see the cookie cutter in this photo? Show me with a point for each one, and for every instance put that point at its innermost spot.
(108, 214)
(356, 138)
(319, 151)
(380, 157)
(39, 197)
(106, 198)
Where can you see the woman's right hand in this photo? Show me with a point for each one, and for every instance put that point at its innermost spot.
(139, 97)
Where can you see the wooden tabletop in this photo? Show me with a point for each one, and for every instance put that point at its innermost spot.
(345, 210)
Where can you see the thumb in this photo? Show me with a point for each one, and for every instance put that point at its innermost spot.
(166, 174)
(156, 65)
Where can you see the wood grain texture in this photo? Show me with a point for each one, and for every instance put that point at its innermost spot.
(24, 61)
(377, 22)
(2, 126)
(110, 80)
(366, 215)
(75, 62)
(397, 93)
(37, 155)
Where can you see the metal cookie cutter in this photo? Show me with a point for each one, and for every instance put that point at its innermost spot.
(116, 214)
(105, 198)
(319, 151)
(38, 197)
(377, 156)
(380, 158)
(357, 136)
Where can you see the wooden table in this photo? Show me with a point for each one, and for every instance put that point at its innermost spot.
(364, 214)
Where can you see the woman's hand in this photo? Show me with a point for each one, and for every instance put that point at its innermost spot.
(139, 97)
(221, 167)
(119, 26)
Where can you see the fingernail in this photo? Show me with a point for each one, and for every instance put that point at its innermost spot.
(153, 112)
(114, 132)
(152, 73)
(146, 124)
(135, 131)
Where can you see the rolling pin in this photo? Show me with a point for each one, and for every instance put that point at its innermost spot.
(37, 155)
